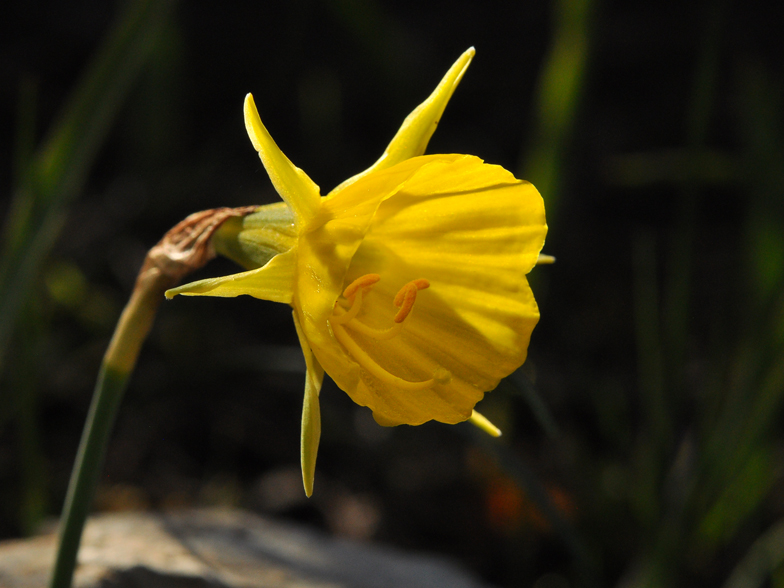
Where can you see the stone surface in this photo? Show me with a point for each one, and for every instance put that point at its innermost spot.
(222, 549)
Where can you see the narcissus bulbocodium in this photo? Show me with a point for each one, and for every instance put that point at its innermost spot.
(407, 281)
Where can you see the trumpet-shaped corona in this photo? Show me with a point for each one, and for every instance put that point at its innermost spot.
(407, 281)
(343, 321)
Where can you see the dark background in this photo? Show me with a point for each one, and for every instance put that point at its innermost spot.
(647, 416)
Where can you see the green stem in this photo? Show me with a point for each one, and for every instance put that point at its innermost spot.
(185, 248)
(108, 393)
(117, 366)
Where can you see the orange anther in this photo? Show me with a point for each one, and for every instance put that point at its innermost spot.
(409, 292)
(361, 282)
(419, 284)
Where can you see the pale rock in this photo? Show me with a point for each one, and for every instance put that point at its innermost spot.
(222, 549)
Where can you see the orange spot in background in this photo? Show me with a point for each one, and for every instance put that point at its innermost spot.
(509, 508)
(504, 503)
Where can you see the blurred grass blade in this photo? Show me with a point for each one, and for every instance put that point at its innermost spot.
(763, 558)
(24, 378)
(760, 105)
(741, 496)
(655, 444)
(560, 88)
(58, 170)
(522, 385)
(649, 347)
(702, 167)
(25, 129)
(23, 149)
(678, 284)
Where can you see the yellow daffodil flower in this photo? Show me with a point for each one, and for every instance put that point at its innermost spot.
(407, 281)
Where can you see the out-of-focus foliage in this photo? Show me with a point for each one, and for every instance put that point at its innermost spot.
(643, 438)
(46, 179)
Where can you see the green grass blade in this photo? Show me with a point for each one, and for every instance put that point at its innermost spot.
(60, 167)
(560, 88)
(762, 559)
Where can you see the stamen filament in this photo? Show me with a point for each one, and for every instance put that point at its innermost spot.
(377, 334)
(371, 366)
(352, 312)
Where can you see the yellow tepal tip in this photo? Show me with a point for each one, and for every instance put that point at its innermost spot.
(253, 122)
(293, 185)
(479, 420)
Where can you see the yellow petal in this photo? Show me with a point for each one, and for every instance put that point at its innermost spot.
(463, 219)
(293, 184)
(325, 253)
(413, 136)
(473, 231)
(311, 413)
(274, 281)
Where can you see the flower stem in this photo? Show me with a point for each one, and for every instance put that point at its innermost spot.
(183, 249)
(116, 369)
